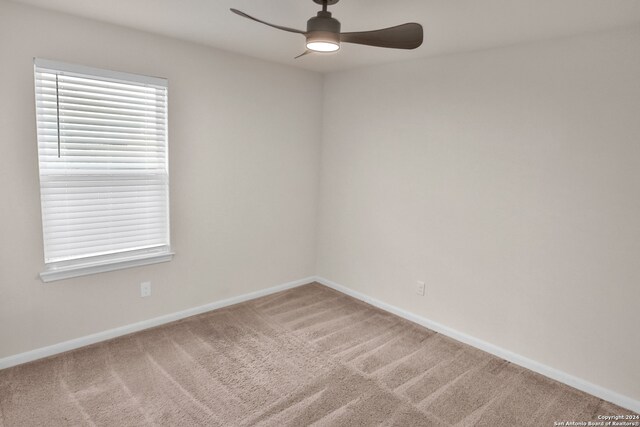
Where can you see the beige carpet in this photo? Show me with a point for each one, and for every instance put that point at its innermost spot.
(304, 356)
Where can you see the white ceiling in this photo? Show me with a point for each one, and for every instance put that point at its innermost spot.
(450, 25)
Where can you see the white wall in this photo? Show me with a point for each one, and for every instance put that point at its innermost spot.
(244, 155)
(509, 181)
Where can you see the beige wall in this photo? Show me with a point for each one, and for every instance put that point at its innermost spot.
(509, 181)
(244, 147)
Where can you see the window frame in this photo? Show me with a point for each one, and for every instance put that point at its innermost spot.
(81, 266)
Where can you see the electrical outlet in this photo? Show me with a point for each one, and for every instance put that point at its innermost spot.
(145, 289)
(420, 288)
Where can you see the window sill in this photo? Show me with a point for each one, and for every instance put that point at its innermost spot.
(61, 273)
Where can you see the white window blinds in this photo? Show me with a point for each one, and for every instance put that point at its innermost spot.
(102, 149)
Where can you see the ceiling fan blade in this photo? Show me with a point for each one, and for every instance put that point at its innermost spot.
(306, 52)
(279, 27)
(405, 36)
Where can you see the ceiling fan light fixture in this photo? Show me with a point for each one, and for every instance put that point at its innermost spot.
(322, 46)
(323, 33)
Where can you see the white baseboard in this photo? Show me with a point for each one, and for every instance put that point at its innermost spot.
(580, 384)
(51, 350)
(547, 371)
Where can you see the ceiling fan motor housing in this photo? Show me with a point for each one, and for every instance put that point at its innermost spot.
(323, 28)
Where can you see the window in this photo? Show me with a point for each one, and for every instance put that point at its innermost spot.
(104, 177)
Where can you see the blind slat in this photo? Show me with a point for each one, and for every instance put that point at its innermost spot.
(101, 104)
(62, 228)
(68, 224)
(150, 142)
(79, 239)
(45, 74)
(66, 84)
(76, 120)
(48, 106)
(101, 150)
(78, 217)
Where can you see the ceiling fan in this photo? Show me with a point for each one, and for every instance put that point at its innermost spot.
(323, 33)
